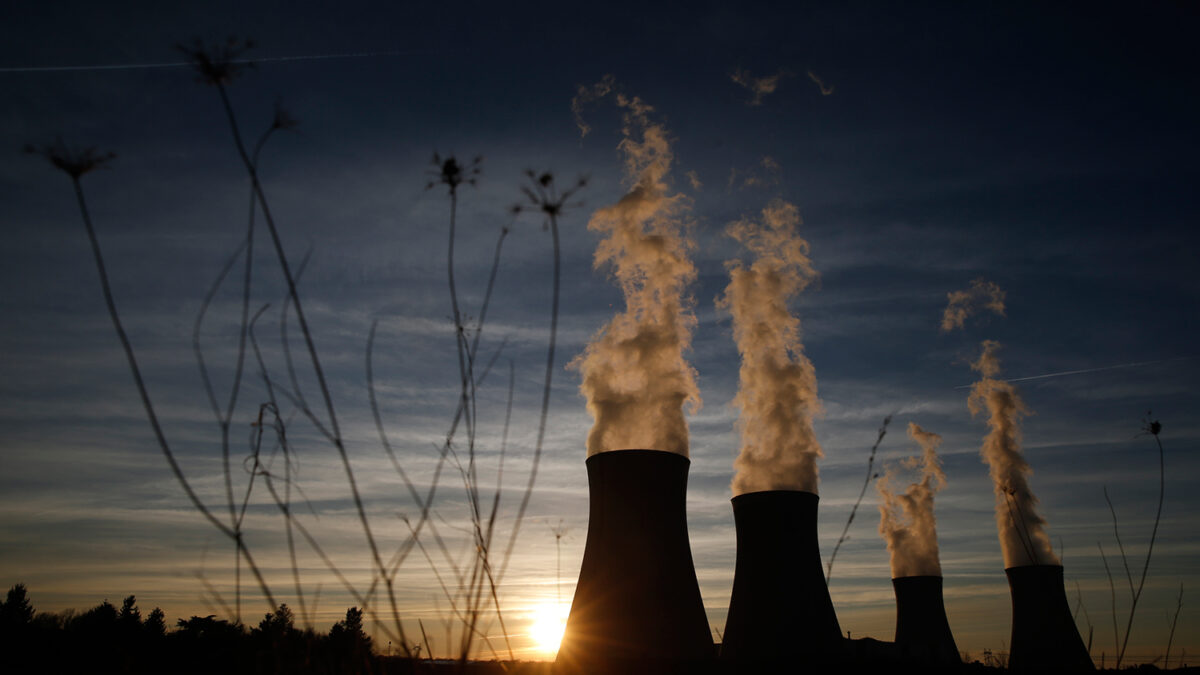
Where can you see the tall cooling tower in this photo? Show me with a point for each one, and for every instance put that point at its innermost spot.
(1044, 636)
(637, 605)
(780, 610)
(922, 631)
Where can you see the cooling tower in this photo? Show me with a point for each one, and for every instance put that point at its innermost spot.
(637, 605)
(1044, 636)
(922, 632)
(780, 610)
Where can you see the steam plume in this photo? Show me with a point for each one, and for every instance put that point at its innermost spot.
(634, 375)
(1022, 534)
(906, 520)
(962, 304)
(777, 393)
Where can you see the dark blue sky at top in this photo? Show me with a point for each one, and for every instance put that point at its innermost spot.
(1062, 137)
(1049, 149)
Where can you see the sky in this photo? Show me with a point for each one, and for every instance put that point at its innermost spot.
(1050, 151)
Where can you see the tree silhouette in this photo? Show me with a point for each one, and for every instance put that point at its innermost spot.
(350, 645)
(156, 623)
(351, 628)
(99, 619)
(16, 609)
(278, 623)
(129, 617)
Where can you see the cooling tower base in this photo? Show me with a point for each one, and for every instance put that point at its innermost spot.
(780, 611)
(1044, 636)
(922, 631)
(637, 606)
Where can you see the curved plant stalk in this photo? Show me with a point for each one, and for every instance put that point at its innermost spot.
(1152, 428)
(280, 429)
(218, 70)
(1113, 596)
(866, 482)
(281, 121)
(1174, 622)
(75, 165)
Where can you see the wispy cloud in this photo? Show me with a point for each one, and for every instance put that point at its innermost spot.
(586, 94)
(826, 90)
(758, 86)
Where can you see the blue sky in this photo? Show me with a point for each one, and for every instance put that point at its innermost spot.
(1049, 151)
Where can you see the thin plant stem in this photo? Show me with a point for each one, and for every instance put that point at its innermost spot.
(425, 639)
(281, 434)
(1162, 482)
(552, 219)
(135, 370)
(224, 419)
(323, 387)
(503, 451)
(866, 482)
(1117, 535)
(1174, 622)
(1113, 592)
(221, 417)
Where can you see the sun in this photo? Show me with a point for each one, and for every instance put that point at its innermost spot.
(546, 628)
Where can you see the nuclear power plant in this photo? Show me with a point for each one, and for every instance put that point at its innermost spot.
(637, 605)
(780, 608)
(1044, 636)
(922, 631)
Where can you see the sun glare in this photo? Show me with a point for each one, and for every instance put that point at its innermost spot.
(547, 625)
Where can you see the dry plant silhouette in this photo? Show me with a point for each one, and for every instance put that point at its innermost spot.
(1149, 428)
(469, 581)
(853, 511)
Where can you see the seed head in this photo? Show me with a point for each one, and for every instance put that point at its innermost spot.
(449, 172)
(73, 161)
(218, 64)
(542, 195)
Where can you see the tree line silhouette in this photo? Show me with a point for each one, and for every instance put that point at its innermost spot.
(109, 639)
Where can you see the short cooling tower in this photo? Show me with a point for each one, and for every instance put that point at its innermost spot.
(922, 631)
(1044, 636)
(637, 605)
(780, 610)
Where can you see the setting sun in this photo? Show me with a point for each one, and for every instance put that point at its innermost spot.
(547, 625)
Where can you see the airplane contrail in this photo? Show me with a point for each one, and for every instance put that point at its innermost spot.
(180, 64)
(1088, 370)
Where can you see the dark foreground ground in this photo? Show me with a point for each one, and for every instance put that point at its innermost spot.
(545, 668)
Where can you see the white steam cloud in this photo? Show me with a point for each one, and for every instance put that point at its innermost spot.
(962, 304)
(906, 519)
(635, 377)
(777, 395)
(1022, 531)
